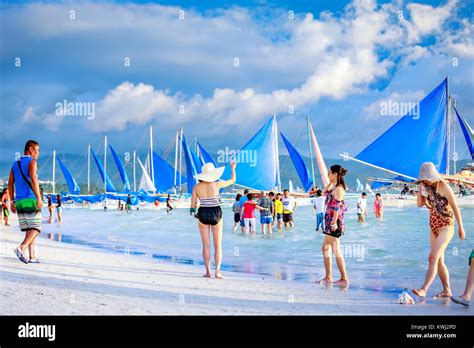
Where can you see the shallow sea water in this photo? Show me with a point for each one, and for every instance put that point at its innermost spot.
(386, 255)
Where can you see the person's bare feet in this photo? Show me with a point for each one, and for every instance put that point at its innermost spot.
(207, 275)
(342, 282)
(325, 280)
(419, 292)
(443, 294)
(219, 275)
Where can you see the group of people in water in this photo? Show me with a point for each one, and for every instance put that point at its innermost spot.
(362, 212)
(434, 193)
(273, 207)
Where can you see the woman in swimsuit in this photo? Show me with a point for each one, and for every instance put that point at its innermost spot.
(334, 224)
(210, 213)
(438, 197)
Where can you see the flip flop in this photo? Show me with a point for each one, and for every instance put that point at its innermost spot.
(34, 261)
(460, 301)
(20, 255)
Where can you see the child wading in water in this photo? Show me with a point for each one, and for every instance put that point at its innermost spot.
(378, 206)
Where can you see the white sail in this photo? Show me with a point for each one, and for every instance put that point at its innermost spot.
(360, 187)
(368, 189)
(323, 171)
(290, 186)
(145, 182)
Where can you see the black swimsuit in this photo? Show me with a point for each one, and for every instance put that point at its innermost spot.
(209, 212)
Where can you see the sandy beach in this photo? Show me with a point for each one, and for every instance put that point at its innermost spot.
(81, 280)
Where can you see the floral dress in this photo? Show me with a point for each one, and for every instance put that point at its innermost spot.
(333, 206)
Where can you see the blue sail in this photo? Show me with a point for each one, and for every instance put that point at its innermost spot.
(467, 131)
(414, 139)
(121, 169)
(206, 158)
(190, 166)
(299, 164)
(163, 173)
(257, 163)
(109, 186)
(71, 182)
(198, 163)
(87, 198)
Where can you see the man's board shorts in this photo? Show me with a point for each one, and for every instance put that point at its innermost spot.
(29, 216)
(471, 256)
(236, 217)
(59, 209)
(5, 211)
(266, 220)
(287, 217)
(129, 207)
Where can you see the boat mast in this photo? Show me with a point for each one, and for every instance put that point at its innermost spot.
(89, 169)
(151, 158)
(105, 164)
(310, 152)
(54, 172)
(134, 171)
(176, 160)
(455, 155)
(180, 156)
(277, 156)
(448, 127)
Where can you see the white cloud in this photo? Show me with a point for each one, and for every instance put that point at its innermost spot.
(373, 111)
(325, 57)
(49, 120)
(426, 19)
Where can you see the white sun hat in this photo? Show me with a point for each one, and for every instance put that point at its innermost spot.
(210, 173)
(428, 172)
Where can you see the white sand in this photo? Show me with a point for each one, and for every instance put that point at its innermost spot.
(76, 279)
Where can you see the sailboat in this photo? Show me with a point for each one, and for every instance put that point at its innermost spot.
(205, 157)
(359, 186)
(307, 179)
(265, 173)
(146, 183)
(121, 169)
(402, 148)
(300, 166)
(290, 186)
(70, 181)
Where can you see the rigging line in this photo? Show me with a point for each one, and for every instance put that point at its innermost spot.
(168, 149)
(44, 164)
(144, 136)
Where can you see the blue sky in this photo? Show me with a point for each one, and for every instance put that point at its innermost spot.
(335, 61)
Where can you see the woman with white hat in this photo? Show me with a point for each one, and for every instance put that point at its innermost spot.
(438, 197)
(210, 213)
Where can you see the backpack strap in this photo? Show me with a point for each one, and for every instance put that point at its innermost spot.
(24, 177)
